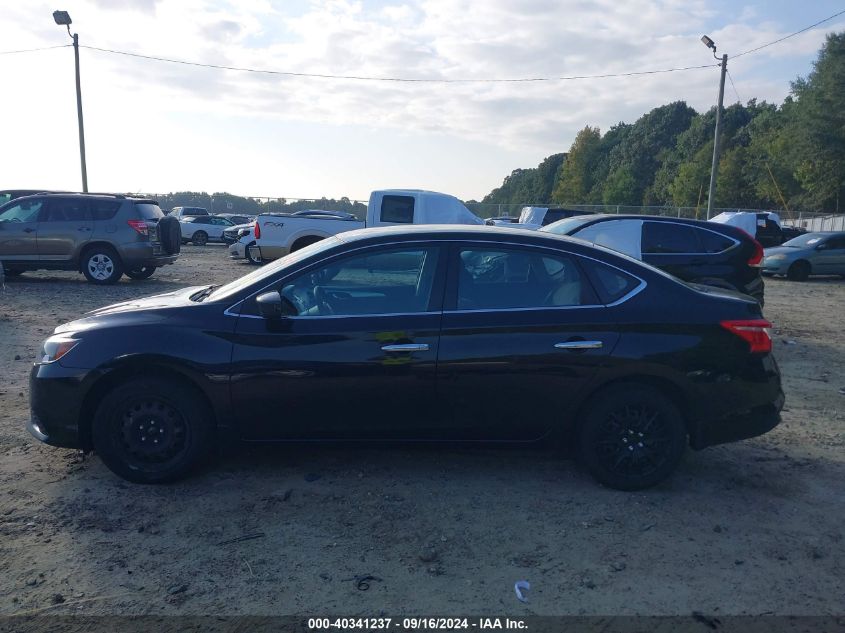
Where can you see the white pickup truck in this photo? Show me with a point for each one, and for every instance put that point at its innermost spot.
(277, 235)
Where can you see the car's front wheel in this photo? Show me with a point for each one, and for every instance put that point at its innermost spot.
(200, 238)
(151, 431)
(101, 265)
(251, 254)
(798, 271)
(631, 437)
(145, 272)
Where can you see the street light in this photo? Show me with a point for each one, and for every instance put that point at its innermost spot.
(62, 18)
(715, 166)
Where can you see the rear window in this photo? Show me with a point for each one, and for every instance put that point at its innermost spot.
(713, 242)
(148, 211)
(103, 209)
(611, 283)
(399, 209)
(664, 238)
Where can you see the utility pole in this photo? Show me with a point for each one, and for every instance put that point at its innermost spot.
(714, 168)
(62, 18)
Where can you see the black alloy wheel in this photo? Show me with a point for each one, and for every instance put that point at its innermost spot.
(631, 437)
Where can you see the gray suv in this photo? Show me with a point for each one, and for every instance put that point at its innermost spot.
(103, 236)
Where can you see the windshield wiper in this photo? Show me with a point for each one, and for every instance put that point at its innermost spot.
(203, 294)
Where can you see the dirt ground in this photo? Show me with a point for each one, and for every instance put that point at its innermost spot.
(749, 528)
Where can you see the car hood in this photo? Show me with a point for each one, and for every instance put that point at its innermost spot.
(786, 250)
(141, 310)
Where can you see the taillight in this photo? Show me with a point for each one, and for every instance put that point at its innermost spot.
(257, 230)
(140, 226)
(757, 258)
(756, 332)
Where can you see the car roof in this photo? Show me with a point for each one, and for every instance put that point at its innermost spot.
(70, 194)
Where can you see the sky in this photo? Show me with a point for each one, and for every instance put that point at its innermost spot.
(155, 127)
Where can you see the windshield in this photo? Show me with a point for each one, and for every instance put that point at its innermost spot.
(566, 226)
(802, 241)
(269, 270)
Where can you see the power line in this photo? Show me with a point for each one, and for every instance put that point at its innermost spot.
(33, 50)
(736, 92)
(786, 37)
(390, 79)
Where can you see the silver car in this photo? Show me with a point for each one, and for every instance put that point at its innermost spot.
(820, 253)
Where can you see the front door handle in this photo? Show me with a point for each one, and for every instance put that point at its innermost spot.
(405, 347)
(579, 345)
(29, 230)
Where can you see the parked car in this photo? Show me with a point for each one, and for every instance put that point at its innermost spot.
(820, 253)
(697, 251)
(790, 232)
(186, 212)
(277, 235)
(764, 226)
(244, 247)
(349, 339)
(502, 220)
(237, 218)
(233, 233)
(201, 229)
(102, 236)
(535, 217)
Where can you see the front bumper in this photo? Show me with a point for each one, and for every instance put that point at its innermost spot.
(237, 251)
(778, 267)
(56, 396)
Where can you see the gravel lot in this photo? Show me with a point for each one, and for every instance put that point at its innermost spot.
(748, 528)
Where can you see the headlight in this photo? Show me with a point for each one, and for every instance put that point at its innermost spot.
(777, 257)
(57, 346)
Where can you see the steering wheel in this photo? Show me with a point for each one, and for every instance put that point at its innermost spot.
(322, 302)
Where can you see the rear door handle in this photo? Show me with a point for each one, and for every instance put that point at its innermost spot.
(83, 228)
(579, 345)
(405, 347)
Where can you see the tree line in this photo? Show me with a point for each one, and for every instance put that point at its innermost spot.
(771, 155)
(223, 202)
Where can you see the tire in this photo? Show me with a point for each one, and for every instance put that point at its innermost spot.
(631, 437)
(302, 242)
(144, 272)
(200, 238)
(101, 265)
(170, 235)
(146, 410)
(255, 261)
(798, 271)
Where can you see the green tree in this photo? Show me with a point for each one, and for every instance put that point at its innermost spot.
(621, 188)
(575, 182)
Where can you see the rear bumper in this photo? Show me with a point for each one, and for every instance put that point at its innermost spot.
(269, 253)
(752, 423)
(144, 254)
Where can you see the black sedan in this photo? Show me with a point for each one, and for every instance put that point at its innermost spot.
(424, 333)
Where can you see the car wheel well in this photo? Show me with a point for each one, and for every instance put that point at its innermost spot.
(88, 247)
(121, 375)
(304, 241)
(665, 387)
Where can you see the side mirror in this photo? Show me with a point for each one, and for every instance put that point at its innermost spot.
(272, 305)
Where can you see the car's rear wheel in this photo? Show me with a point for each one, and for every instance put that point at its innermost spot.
(200, 238)
(145, 272)
(101, 265)
(631, 437)
(152, 431)
(798, 271)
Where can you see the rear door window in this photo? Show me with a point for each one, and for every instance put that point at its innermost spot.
(668, 238)
(506, 278)
(66, 210)
(397, 209)
(148, 211)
